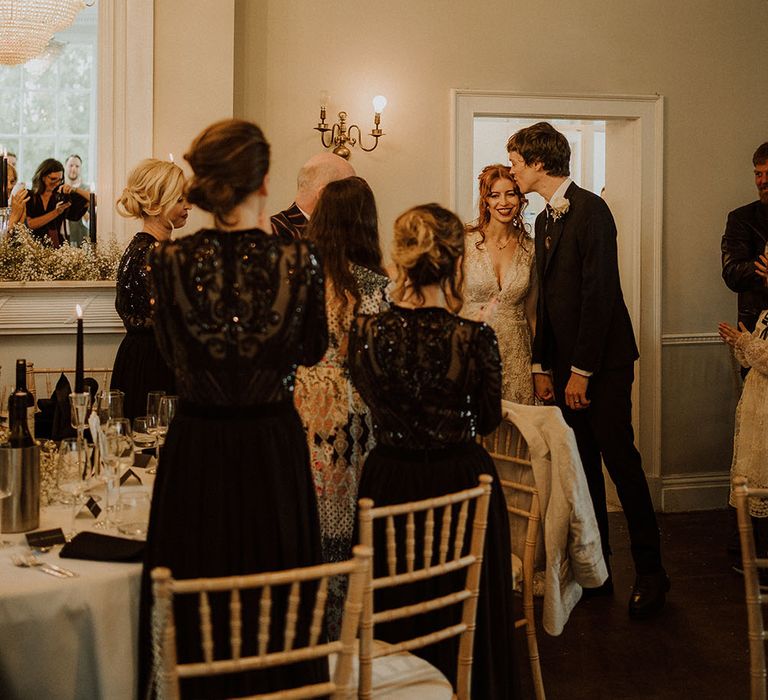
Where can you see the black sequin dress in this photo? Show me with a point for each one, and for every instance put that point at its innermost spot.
(433, 383)
(139, 368)
(238, 312)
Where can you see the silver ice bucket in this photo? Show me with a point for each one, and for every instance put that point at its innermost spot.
(20, 511)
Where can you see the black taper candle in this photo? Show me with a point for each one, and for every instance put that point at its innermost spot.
(79, 365)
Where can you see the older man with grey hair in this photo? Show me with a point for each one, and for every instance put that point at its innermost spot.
(314, 175)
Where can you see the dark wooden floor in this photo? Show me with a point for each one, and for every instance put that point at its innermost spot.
(696, 648)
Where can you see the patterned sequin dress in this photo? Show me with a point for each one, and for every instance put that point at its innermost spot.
(506, 313)
(339, 430)
(237, 312)
(432, 381)
(138, 368)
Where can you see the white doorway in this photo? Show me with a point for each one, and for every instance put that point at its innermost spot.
(616, 143)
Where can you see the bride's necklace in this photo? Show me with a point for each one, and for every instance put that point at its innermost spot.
(505, 244)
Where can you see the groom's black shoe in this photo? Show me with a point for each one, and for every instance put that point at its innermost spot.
(648, 594)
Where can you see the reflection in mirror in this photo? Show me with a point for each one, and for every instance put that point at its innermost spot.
(48, 111)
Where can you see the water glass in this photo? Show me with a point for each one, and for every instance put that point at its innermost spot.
(144, 432)
(132, 511)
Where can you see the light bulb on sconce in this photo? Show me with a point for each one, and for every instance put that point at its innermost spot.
(341, 134)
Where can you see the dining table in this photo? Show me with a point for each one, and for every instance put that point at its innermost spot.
(67, 637)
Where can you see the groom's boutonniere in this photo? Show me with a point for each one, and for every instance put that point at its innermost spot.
(559, 207)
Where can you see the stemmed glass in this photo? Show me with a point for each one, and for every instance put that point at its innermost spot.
(154, 398)
(145, 433)
(109, 405)
(117, 451)
(80, 403)
(168, 406)
(73, 477)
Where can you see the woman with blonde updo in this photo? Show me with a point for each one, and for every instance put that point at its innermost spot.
(237, 311)
(155, 195)
(432, 381)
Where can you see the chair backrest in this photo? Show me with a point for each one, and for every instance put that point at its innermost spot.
(168, 671)
(45, 379)
(755, 600)
(510, 452)
(451, 514)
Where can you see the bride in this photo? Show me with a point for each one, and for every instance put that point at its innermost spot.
(499, 277)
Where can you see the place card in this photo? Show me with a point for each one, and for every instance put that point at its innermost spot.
(93, 507)
(129, 474)
(46, 538)
(141, 459)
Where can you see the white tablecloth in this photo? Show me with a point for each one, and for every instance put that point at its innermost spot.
(62, 639)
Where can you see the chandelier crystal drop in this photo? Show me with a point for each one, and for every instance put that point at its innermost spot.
(26, 26)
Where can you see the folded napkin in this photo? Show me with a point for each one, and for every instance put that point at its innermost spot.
(96, 547)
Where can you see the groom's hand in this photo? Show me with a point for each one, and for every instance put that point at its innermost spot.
(576, 392)
(543, 388)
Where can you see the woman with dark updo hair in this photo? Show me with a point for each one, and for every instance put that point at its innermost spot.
(237, 311)
(432, 382)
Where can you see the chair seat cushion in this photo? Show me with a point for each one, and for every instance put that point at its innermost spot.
(401, 676)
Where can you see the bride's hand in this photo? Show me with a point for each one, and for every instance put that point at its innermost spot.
(761, 267)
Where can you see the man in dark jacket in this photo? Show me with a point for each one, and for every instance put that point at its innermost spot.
(745, 238)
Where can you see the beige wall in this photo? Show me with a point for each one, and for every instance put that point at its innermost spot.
(193, 76)
(699, 56)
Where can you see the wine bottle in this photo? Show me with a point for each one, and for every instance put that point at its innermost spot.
(18, 403)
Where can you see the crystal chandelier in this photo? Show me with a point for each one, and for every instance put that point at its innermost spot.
(26, 26)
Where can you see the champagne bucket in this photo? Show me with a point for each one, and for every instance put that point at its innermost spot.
(20, 511)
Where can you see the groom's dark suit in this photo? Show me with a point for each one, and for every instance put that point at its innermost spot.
(582, 322)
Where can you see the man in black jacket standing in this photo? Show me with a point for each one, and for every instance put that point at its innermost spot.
(744, 240)
(584, 349)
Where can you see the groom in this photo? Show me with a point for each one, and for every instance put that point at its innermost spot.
(584, 348)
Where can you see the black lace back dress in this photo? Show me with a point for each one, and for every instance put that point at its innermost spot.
(139, 368)
(432, 381)
(237, 311)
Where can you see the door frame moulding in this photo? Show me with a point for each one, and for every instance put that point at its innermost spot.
(646, 115)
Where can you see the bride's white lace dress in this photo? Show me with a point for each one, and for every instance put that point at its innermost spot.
(750, 446)
(503, 308)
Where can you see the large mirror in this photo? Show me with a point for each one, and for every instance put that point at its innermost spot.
(88, 95)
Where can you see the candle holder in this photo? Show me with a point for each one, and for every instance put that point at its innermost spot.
(339, 134)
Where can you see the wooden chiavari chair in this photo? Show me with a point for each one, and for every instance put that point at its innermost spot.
(755, 599)
(419, 566)
(168, 670)
(511, 455)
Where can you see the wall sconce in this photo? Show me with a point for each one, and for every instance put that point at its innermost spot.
(341, 134)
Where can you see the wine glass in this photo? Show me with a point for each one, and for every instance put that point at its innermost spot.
(168, 406)
(143, 435)
(109, 405)
(117, 451)
(80, 403)
(73, 476)
(153, 409)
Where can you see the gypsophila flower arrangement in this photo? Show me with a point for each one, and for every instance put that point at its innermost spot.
(23, 258)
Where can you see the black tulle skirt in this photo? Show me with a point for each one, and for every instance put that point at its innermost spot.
(233, 495)
(394, 475)
(139, 368)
